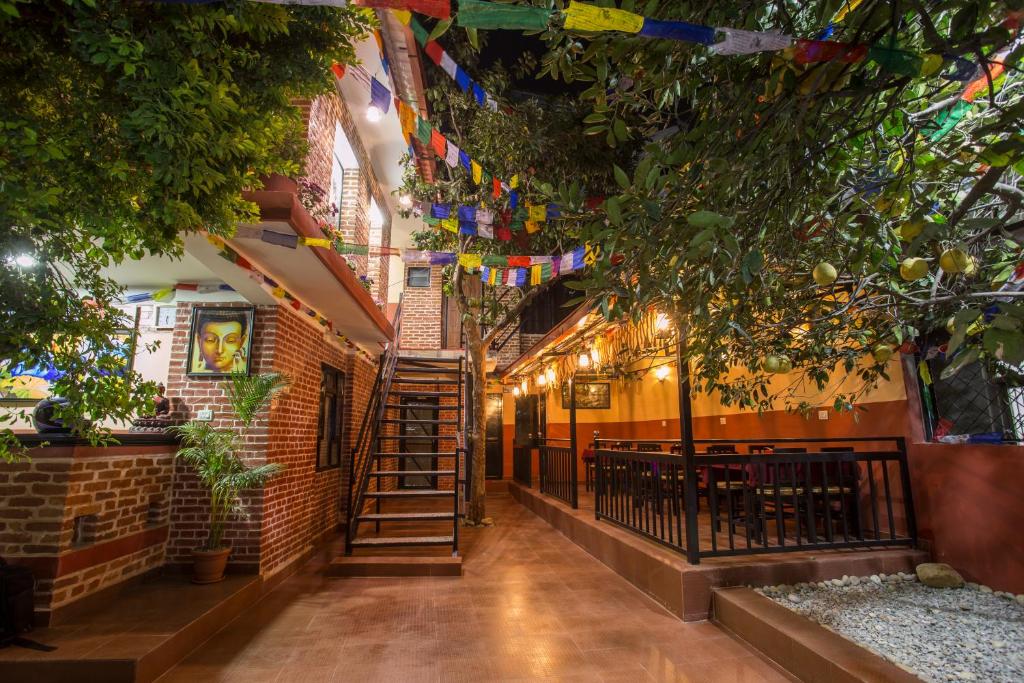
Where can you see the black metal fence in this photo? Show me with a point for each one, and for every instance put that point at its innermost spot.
(770, 499)
(559, 475)
(522, 465)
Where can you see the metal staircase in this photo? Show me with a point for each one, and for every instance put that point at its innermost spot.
(405, 482)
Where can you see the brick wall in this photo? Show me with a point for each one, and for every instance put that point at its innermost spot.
(189, 506)
(360, 183)
(85, 518)
(421, 314)
(301, 505)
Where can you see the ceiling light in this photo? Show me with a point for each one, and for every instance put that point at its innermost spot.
(374, 114)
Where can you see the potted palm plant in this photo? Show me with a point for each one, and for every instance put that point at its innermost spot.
(213, 454)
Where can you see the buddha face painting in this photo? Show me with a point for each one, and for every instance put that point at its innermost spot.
(220, 341)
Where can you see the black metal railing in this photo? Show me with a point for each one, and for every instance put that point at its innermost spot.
(522, 465)
(559, 475)
(771, 499)
(361, 463)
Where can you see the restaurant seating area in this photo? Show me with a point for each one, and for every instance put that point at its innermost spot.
(747, 496)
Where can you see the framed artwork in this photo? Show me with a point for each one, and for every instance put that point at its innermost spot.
(164, 319)
(220, 341)
(589, 395)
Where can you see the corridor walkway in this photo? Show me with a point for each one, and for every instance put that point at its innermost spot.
(531, 606)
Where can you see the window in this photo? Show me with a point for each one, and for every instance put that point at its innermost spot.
(343, 157)
(417, 276)
(971, 403)
(330, 426)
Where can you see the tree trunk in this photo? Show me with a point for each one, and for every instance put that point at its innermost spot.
(477, 503)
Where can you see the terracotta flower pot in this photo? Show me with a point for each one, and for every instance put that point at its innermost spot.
(208, 565)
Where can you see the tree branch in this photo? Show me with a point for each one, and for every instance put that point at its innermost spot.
(980, 189)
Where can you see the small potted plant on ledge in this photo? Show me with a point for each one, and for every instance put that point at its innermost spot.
(213, 454)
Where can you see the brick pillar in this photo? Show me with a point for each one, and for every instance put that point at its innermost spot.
(421, 313)
(355, 214)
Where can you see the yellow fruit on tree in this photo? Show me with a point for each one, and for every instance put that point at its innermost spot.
(956, 261)
(882, 353)
(785, 365)
(913, 269)
(908, 230)
(824, 273)
(771, 364)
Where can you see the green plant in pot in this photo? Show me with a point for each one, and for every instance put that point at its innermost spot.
(213, 454)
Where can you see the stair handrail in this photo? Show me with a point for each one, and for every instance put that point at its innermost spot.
(368, 430)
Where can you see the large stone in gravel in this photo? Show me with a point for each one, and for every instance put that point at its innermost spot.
(939, 575)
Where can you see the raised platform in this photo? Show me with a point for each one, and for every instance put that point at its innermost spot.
(685, 589)
(803, 648)
(143, 630)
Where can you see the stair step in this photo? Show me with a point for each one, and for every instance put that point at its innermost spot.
(423, 393)
(411, 473)
(425, 359)
(422, 380)
(402, 540)
(447, 454)
(410, 493)
(397, 420)
(406, 516)
(435, 371)
(421, 406)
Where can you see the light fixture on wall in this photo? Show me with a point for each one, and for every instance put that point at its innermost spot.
(662, 325)
(405, 201)
(374, 114)
(551, 375)
(525, 386)
(584, 360)
(595, 356)
(542, 379)
(661, 374)
(515, 391)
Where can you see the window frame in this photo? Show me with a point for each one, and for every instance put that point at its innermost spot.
(331, 404)
(408, 276)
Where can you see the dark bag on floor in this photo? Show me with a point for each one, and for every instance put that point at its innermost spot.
(17, 586)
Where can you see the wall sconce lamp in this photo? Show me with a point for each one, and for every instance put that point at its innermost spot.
(661, 374)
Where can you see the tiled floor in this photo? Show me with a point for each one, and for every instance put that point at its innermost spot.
(531, 606)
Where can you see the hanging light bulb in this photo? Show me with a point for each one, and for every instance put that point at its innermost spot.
(551, 375)
(584, 361)
(525, 386)
(374, 114)
(595, 356)
(661, 374)
(405, 201)
(515, 391)
(542, 379)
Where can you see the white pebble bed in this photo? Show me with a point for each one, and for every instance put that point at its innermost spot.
(938, 634)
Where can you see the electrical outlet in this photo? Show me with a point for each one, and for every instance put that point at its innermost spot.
(721, 420)
(205, 415)
(822, 414)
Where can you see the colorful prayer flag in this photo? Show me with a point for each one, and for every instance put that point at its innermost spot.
(423, 129)
(677, 30)
(581, 17)
(315, 242)
(477, 172)
(740, 42)
(452, 158)
(380, 96)
(448, 65)
(492, 15)
(434, 51)
(440, 210)
(538, 212)
(814, 51)
(462, 78)
(438, 142)
(450, 224)
(465, 161)
(439, 9)
(470, 261)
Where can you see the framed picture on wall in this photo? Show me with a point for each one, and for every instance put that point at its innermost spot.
(220, 341)
(589, 395)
